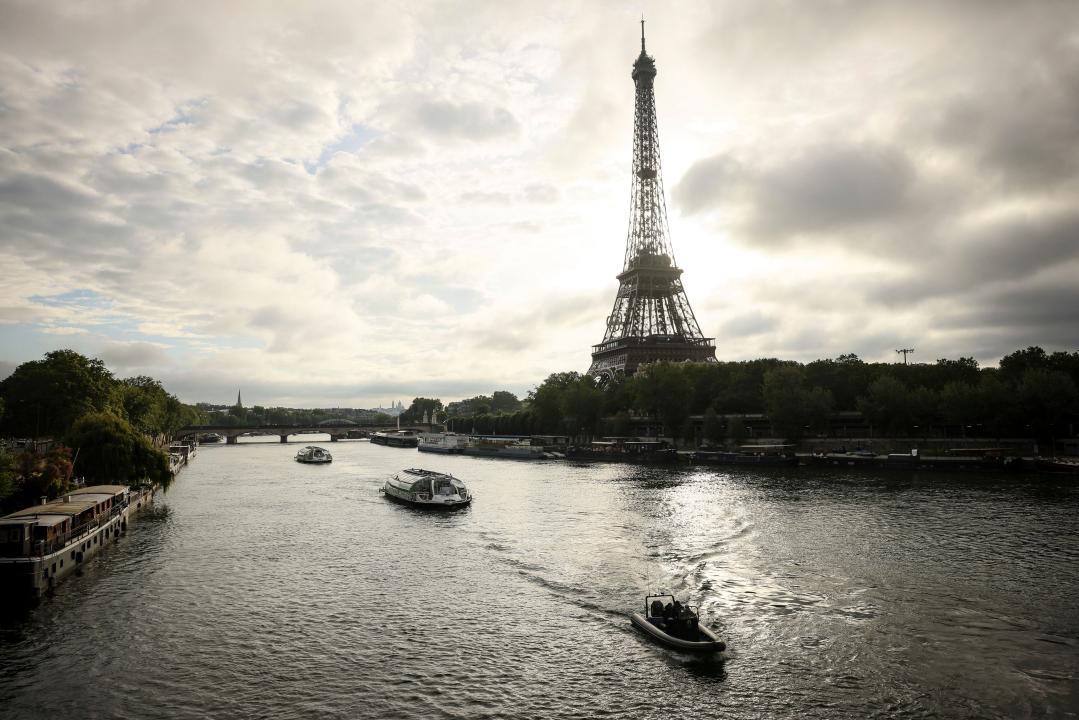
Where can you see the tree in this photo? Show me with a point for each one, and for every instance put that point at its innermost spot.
(887, 405)
(504, 402)
(419, 408)
(581, 405)
(45, 397)
(664, 392)
(1016, 365)
(711, 427)
(1047, 396)
(791, 408)
(736, 429)
(110, 450)
(960, 404)
(621, 424)
(546, 400)
(30, 476)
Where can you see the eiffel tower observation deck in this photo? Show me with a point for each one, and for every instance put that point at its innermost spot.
(651, 320)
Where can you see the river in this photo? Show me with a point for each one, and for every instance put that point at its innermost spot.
(257, 587)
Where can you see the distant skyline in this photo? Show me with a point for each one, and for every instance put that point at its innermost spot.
(338, 203)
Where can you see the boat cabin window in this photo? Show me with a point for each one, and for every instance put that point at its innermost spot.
(443, 487)
(421, 486)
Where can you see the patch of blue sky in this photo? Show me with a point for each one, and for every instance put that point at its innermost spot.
(22, 342)
(77, 298)
(356, 138)
(185, 116)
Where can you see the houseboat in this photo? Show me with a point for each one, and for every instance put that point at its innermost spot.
(748, 455)
(314, 455)
(397, 438)
(630, 450)
(446, 443)
(43, 544)
(426, 489)
(516, 448)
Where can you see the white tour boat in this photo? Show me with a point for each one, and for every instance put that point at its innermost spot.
(313, 455)
(427, 489)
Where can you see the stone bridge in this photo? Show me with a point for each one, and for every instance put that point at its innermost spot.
(233, 433)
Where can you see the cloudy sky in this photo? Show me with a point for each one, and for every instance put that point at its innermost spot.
(348, 203)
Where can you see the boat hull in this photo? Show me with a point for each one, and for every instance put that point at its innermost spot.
(427, 504)
(721, 458)
(712, 645)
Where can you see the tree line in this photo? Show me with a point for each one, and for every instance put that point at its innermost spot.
(107, 430)
(1031, 394)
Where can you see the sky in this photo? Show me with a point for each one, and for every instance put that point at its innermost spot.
(343, 204)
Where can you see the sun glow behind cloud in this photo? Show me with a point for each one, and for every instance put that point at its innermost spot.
(344, 206)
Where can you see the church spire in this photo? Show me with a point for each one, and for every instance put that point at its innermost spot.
(239, 400)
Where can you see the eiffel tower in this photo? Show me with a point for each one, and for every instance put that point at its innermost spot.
(651, 320)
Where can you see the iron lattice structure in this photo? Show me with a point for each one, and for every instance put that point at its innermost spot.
(651, 320)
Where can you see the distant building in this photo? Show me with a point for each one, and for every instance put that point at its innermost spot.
(395, 409)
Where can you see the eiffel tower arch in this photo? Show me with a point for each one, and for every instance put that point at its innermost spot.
(651, 320)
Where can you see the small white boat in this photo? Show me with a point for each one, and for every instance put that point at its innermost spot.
(313, 455)
(676, 625)
(427, 489)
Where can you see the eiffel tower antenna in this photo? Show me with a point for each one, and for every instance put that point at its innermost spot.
(651, 320)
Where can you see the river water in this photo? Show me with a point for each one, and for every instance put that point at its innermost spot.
(261, 588)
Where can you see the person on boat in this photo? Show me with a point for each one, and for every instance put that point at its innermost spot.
(668, 611)
(656, 608)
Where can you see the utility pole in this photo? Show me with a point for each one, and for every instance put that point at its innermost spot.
(905, 352)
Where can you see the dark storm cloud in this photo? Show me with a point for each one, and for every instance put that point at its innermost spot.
(1010, 250)
(1048, 311)
(1020, 124)
(824, 188)
(465, 121)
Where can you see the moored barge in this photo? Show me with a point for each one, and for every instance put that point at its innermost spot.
(399, 438)
(446, 443)
(748, 455)
(43, 544)
(625, 450)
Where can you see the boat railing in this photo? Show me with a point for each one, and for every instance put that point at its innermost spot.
(75, 535)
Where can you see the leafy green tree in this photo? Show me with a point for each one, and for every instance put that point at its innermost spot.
(621, 424)
(791, 408)
(663, 390)
(736, 429)
(45, 397)
(712, 427)
(960, 405)
(582, 401)
(110, 450)
(785, 401)
(1015, 366)
(32, 475)
(546, 400)
(1047, 396)
(8, 479)
(887, 406)
(420, 407)
(504, 402)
